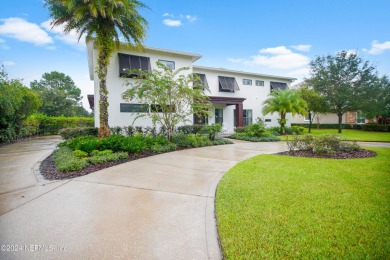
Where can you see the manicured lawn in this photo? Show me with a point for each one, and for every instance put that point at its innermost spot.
(351, 134)
(273, 206)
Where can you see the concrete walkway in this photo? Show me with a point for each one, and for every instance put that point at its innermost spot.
(160, 207)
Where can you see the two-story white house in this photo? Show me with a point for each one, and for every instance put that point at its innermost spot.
(237, 96)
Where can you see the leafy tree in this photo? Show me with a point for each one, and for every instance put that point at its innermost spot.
(172, 96)
(315, 103)
(341, 79)
(283, 102)
(106, 20)
(377, 99)
(60, 94)
(17, 102)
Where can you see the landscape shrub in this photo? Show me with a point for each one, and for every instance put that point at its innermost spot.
(256, 129)
(240, 129)
(181, 140)
(135, 144)
(322, 144)
(190, 129)
(84, 143)
(113, 142)
(158, 148)
(152, 140)
(101, 153)
(53, 124)
(108, 157)
(69, 133)
(221, 141)
(80, 154)
(65, 161)
(376, 127)
(245, 137)
(116, 130)
(212, 130)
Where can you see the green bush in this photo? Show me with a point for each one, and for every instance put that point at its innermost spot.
(152, 140)
(190, 129)
(240, 129)
(65, 161)
(135, 144)
(101, 153)
(245, 137)
(109, 157)
(84, 143)
(53, 124)
(113, 142)
(69, 133)
(322, 144)
(376, 127)
(221, 141)
(158, 148)
(181, 140)
(80, 154)
(256, 129)
(212, 130)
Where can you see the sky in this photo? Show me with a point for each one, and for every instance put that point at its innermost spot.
(277, 37)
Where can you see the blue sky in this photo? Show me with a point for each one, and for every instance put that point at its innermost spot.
(270, 37)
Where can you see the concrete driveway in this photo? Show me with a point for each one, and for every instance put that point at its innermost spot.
(160, 207)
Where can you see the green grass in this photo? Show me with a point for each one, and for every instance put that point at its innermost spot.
(351, 134)
(274, 206)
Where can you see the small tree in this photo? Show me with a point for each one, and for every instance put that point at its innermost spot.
(315, 103)
(172, 96)
(341, 79)
(283, 102)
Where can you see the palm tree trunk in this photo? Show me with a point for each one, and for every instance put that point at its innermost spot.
(104, 53)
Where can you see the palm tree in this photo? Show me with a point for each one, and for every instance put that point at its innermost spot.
(106, 20)
(283, 102)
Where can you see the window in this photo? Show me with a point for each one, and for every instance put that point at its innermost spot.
(227, 84)
(169, 64)
(247, 117)
(246, 82)
(306, 118)
(267, 120)
(131, 62)
(360, 118)
(203, 81)
(219, 116)
(260, 83)
(200, 119)
(278, 86)
(134, 108)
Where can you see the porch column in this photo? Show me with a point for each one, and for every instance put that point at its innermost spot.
(239, 115)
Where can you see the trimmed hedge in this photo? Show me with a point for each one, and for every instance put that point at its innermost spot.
(329, 126)
(376, 127)
(70, 133)
(53, 124)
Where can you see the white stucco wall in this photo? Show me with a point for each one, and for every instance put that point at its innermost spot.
(116, 86)
(323, 118)
(254, 95)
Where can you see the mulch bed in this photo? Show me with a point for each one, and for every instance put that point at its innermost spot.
(49, 171)
(339, 155)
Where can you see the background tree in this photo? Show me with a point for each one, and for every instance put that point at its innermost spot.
(17, 102)
(315, 103)
(283, 102)
(377, 99)
(60, 94)
(341, 79)
(172, 96)
(106, 20)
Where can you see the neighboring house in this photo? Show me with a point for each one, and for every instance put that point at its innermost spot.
(330, 118)
(237, 96)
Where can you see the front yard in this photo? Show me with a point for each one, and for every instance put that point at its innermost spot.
(273, 206)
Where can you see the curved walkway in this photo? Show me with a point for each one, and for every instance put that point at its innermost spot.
(160, 207)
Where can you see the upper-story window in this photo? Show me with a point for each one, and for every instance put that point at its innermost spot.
(130, 62)
(202, 82)
(246, 82)
(168, 63)
(227, 84)
(278, 86)
(260, 83)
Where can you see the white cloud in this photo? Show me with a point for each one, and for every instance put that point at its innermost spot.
(191, 18)
(7, 63)
(166, 15)
(301, 47)
(235, 60)
(280, 50)
(172, 23)
(378, 48)
(70, 38)
(299, 73)
(25, 31)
